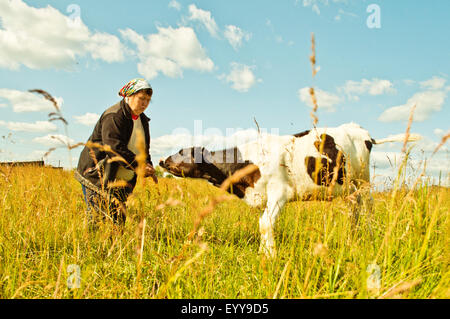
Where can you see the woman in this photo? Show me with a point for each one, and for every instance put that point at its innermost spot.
(119, 127)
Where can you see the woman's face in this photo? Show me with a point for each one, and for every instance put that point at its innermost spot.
(138, 102)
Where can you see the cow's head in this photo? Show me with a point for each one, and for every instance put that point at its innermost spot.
(194, 162)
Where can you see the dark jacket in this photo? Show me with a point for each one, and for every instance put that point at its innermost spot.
(114, 128)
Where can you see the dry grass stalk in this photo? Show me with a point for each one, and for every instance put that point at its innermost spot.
(119, 183)
(349, 294)
(408, 128)
(215, 201)
(7, 174)
(92, 155)
(257, 125)
(312, 58)
(171, 202)
(75, 145)
(335, 175)
(57, 116)
(205, 212)
(280, 281)
(238, 175)
(55, 293)
(315, 106)
(141, 157)
(422, 174)
(100, 171)
(53, 116)
(140, 172)
(319, 160)
(106, 148)
(443, 141)
(49, 151)
(140, 250)
(47, 96)
(60, 140)
(163, 290)
(139, 253)
(397, 183)
(400, 289)
(353, 197)
(117, 159)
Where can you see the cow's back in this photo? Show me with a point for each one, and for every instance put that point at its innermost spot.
(348, 139)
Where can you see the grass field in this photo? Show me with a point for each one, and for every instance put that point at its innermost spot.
(401, 250)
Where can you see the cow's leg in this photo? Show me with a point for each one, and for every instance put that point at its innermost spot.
(276, 199)
(362, 202)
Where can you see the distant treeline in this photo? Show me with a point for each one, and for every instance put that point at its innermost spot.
(29, 163)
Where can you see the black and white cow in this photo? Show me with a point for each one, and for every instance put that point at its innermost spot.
(296, 166)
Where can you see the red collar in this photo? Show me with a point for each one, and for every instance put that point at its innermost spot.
(134, 117)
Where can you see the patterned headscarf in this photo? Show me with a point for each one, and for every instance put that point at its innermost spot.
(133, 86)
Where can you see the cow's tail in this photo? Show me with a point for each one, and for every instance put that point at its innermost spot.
(398, 138)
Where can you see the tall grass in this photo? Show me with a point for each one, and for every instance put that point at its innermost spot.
(320, 252)
(185, 239)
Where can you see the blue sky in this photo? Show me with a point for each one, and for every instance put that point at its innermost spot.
(225, 63)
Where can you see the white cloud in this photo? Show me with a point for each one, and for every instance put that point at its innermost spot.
(344, 13)
(28, 102)
(426, 102)
(325, 99)
(425, 144)
(278, 38)
(39, 126)
(54, 140)
(387, 163)
(42, 38)
(175, 5)
(36, 155)
(409, 82)
(314, 4)
(106, 47)
(428, 145)
(88, 119)
(169, 52)
(241, 77)
(385, 159)
(439, 168)
(434, 83)
(235, 35)
(205, 18)
(440, 132)
(373, 87)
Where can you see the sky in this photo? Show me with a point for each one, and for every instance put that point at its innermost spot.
(219, 67)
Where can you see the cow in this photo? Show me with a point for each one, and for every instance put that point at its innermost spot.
(316, 163)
